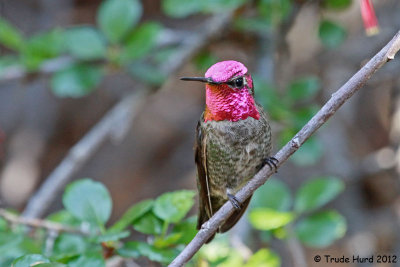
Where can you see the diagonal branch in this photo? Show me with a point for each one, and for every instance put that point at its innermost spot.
(335, 102)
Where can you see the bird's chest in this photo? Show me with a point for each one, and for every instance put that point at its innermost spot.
(234, 150)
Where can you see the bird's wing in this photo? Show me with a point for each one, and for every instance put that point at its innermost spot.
(205, 207)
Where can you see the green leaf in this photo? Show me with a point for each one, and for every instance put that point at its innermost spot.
(309, 153)
(52, 264)
(337, 4)
(268, 97)
(88, 201)
(204, 60)
(41, 47)
(216, 6)
(317, 192)
(187, 228)
(159, 56)
(3, 225)
(64, 217)
(141, 41)
(274, 195)
(147, 73)
(10, 36)
(217, 251)
(179, 9)
(94, 260)
(304, 88)
(29, 260)
(268, 219)
(331, 34)
(76, 81)
(173, 206)
(135, 249)
(264, 257)
(111, 236)
(302, 115)
(252, 24)
(321, 229)
(274, 11)
(130, 249)
(234, 259)
(132, 214)
(85, 43)
(280, 233)
(117, 17)
(9, 240)
(148, 224)
(69, 245)
(167, 241)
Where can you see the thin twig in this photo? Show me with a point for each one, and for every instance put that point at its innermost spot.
(114, 124)
(38, 223)
(334, 103)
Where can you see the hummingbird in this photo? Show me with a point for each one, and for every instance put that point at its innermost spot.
(233, 140)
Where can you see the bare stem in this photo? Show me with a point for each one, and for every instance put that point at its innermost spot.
(334, 103)
(38, 223)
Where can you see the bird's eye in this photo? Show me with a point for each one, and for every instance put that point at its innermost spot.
(238, 82)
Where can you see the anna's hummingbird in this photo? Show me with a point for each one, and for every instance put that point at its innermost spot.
(233, 140)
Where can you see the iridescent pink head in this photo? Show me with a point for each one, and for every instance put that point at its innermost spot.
(229, 92)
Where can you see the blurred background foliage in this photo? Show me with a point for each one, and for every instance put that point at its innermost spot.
(298, 51)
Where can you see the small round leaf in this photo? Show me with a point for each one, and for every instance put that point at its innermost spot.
(85, 43)
(132, 214)
(117, 17)
(321, 229)
(304, 88)
(317, 192)
(29, 260)
(331, 34)
(141, 41)
(178, 9)
(173, 206)
(337, 4)
(274, 195)
(148, 224)
(309, 153)
(264, 257)
(268, 219)
(76, 81)
(10, 36)
(88, 201)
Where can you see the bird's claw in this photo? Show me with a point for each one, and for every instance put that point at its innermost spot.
(234, 201)
(271, 162)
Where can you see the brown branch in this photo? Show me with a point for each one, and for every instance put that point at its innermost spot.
(334, 103)
(37, 223)
(115, 123)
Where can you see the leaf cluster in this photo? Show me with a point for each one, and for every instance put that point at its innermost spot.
(278, 214)
(88, 205)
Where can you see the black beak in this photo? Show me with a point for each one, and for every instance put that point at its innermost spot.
(199, 79)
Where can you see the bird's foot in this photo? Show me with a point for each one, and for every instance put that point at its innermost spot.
(271, 162)
(234, 201)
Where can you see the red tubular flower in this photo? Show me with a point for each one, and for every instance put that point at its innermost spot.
(369, 17)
